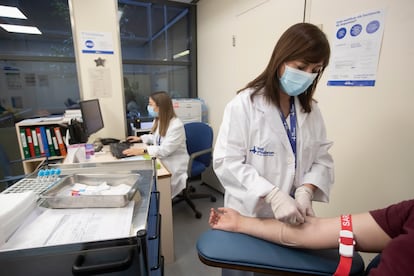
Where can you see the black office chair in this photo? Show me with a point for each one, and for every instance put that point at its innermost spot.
(200, 147)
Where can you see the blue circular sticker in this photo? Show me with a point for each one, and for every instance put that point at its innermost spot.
(341, 33)
(373, 26)
(89, 44)
(356, 30)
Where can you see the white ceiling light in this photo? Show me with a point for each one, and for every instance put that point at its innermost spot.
(20, 29)
(183, 53)
(12, 12)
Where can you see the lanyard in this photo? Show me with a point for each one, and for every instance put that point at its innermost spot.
(158, 140)
(291, 133)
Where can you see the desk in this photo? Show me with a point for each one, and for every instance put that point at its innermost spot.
(164, 187)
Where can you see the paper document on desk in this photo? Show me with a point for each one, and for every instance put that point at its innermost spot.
(63, 226)
(133, 158)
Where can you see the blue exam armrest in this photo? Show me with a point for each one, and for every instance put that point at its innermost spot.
(243, 252)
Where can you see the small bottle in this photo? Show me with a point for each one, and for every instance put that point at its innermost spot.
(40, 176)
(46, 176)
(89, 151)
(52, 175)
(57, 173)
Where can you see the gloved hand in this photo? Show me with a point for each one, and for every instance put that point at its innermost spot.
(304, 196)
(284, 207)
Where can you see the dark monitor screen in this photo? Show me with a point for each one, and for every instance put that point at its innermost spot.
(91, 116)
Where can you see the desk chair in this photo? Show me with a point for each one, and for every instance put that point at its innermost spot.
(243, 252)
(199, 138)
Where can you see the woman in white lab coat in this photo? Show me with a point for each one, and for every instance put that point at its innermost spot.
(167, 140)
(271, 153)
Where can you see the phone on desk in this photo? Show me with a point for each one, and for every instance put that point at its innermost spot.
(107, 141)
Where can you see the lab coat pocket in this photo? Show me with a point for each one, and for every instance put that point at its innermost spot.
(310, 154)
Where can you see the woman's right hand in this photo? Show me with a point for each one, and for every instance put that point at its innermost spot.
(134, 151)
(133, 139)
(284, 207)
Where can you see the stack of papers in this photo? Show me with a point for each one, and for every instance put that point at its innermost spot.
(65, 226)
(72, 114)
(14, 208)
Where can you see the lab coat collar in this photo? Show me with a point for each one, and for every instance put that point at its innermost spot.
(271, 116)
(262, 105)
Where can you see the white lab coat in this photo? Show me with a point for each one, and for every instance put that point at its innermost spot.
(253, 154)
(172, 151)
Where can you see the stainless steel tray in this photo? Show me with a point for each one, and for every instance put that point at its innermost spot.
(59, 196)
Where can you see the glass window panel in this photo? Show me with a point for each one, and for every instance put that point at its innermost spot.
(154, 31)
(37, 88)
(140, 81)
(51, 18)
(178, 36)
(38, 72)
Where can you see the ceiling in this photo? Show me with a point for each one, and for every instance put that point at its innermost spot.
(53, 19)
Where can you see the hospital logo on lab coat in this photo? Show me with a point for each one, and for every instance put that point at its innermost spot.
(260, 151)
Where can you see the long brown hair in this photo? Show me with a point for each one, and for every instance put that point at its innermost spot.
(166, 111)
(302, 41)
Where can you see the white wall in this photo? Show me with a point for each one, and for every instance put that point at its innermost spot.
(100, 16)
(372, 127)
(223, 68)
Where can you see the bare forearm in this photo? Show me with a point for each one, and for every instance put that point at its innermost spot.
(316, 233)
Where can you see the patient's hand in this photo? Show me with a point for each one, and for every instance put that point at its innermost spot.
(224, 219)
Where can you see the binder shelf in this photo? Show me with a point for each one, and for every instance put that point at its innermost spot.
(39, 139)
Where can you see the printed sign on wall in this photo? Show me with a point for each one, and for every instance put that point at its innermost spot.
(355, 49)
(96, 43)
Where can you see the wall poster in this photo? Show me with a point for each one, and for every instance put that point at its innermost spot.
(355, 49)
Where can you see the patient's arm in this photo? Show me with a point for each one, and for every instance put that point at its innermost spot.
(315, 233)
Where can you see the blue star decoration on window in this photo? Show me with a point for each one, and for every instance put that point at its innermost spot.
(100, 62)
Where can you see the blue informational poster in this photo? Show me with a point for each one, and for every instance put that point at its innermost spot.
(96, 43)
(356, 47)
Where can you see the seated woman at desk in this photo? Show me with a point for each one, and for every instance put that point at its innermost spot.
(389, 230)
(166, 141)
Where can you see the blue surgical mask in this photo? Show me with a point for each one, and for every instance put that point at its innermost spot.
(294, 81)
(151, 111)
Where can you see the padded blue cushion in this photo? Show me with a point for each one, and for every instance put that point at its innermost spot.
(243, 250)
(197, 168)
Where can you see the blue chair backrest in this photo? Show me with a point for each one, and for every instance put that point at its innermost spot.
(199, 137)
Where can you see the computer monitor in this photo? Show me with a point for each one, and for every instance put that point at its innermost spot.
(146, 125)
(91, 116)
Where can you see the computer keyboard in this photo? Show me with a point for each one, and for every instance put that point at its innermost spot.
(117, 149)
